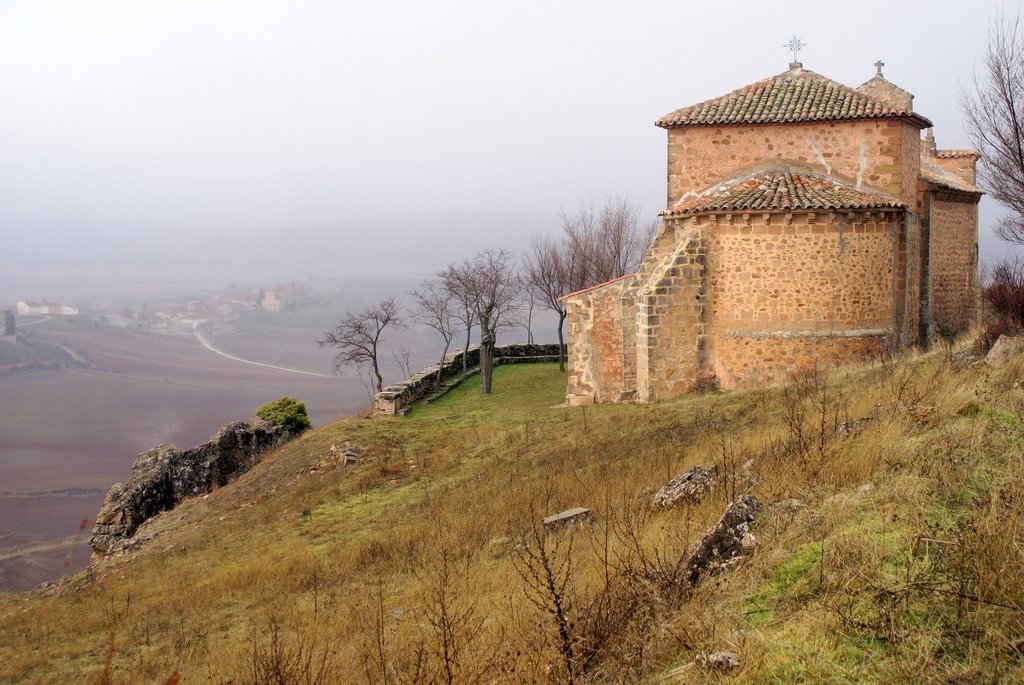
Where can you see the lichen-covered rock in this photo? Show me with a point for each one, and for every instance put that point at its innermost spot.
(688, 487)
(165, 475)
(725, 540)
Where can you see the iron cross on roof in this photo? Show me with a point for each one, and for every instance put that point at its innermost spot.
(795, 45)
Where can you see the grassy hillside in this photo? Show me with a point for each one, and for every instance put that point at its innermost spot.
(425, 562)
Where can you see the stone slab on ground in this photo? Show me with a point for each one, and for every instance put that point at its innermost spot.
(576, 515)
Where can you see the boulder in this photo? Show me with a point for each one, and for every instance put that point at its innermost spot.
(688, 487)
(165, 475)
(728, 539)
(1005, 348)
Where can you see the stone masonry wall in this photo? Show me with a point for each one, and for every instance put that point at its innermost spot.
(397, 396)
(594, 324)
(909, 287)
(953, 262)
(962, 167)
(672, 336)
(880, 153)
(754, 359)
(794, 290)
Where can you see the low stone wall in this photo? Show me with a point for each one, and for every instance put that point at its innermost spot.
(398, 396)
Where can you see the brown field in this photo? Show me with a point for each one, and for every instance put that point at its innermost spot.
(82, 428)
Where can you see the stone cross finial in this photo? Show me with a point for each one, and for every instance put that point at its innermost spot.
(878, 67)
(795, 45)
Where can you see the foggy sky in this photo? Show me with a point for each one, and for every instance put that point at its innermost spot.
(228, 115)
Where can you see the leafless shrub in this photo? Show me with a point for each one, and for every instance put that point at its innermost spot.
(453, 621)
(1003, 292)
(277, 658)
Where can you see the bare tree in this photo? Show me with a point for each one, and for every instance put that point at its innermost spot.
(549, 268)
(464, 313)
(489, 283)
(608, 243)
(358, 336)
(594, 247)
(529, 303)
(994, 112)
(436, 307)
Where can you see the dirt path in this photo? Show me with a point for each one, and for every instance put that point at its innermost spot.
(208, 345)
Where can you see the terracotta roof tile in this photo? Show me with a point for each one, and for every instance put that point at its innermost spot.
(940, 177)
(954, 154)
(781, 188)
(595, 287)
(797, 95)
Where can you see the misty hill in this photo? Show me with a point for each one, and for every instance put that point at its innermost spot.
(72, 262)
(887, 547)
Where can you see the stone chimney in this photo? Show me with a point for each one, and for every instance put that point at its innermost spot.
(928, 144)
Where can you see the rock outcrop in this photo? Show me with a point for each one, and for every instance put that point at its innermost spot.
(1004, 350)
(165, 475)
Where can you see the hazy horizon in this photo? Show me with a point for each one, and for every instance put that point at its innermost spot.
(213, 142)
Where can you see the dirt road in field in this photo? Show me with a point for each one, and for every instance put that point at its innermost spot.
(208, 345)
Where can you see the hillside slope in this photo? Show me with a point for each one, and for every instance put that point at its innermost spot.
(897, 560)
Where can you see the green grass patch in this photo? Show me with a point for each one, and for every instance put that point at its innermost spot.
(518, 392)
(1006, 419)
(786, 579)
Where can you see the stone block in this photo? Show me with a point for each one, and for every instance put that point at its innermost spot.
(576, 516)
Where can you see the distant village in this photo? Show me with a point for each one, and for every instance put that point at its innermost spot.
(189, 316)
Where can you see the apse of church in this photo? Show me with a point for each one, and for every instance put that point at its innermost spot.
(807, 224)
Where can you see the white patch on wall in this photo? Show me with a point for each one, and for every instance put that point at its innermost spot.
(820, 157)
(862, 165)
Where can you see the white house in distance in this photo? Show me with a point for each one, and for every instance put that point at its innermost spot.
(44, 307)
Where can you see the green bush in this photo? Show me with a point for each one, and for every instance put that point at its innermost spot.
(287, 412)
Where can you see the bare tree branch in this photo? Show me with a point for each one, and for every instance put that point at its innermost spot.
(490, 286)
(994, 117)
(594, 247)
(437, 307)
(357, 336)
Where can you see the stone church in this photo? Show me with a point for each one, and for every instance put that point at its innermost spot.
(808, 223)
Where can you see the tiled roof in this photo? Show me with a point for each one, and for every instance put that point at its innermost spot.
(595, 287)
(940, 177)
(781, 188)
(797, 95)
(954, 154)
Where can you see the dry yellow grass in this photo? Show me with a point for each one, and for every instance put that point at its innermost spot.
(420, 564)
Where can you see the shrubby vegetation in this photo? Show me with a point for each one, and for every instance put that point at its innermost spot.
(424, 562)
(287, 412)
(1003, 295)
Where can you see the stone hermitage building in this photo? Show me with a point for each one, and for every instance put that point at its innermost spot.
(808, 223)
